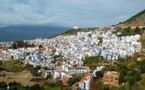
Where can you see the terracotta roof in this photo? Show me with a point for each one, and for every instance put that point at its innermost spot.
(85, 77)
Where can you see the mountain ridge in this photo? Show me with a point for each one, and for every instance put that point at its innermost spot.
(136, 20)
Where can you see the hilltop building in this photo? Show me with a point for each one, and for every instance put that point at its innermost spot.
(76, 27)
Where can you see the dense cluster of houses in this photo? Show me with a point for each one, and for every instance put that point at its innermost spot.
(6, 44)
(72, 50)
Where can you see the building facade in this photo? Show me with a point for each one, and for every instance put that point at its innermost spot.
(111, 78)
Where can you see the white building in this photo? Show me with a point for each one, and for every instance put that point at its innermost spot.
(84, 83)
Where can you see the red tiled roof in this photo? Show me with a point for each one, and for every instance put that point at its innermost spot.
(85, 77)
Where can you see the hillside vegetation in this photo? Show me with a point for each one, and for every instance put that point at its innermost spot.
(74, 31)
(137, 20)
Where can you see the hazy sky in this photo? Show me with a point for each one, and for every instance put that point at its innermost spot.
(83, 13)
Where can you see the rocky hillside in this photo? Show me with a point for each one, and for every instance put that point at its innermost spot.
(136, 20)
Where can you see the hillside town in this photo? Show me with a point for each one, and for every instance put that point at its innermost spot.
(64, 55)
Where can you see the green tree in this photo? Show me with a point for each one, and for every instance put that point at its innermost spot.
(15, 86)
(142, 65)
(99, 74)
(1, 63)
(40, 46)
(36, 87)
(19, 44)
(71, 82)
(137, 30)
(143, 81)
(128, 30)
(13, 66)
(131, 80)
(34, 70)
(105, 87)
(3, 85)
(122, 69)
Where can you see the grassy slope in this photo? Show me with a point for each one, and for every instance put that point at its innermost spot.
(74, 31)
(138, 19)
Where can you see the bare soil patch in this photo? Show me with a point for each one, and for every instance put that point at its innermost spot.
(22, 77)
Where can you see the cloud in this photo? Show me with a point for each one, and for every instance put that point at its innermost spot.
(85, 13)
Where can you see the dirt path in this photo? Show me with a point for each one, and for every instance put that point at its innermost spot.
(22, 77)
